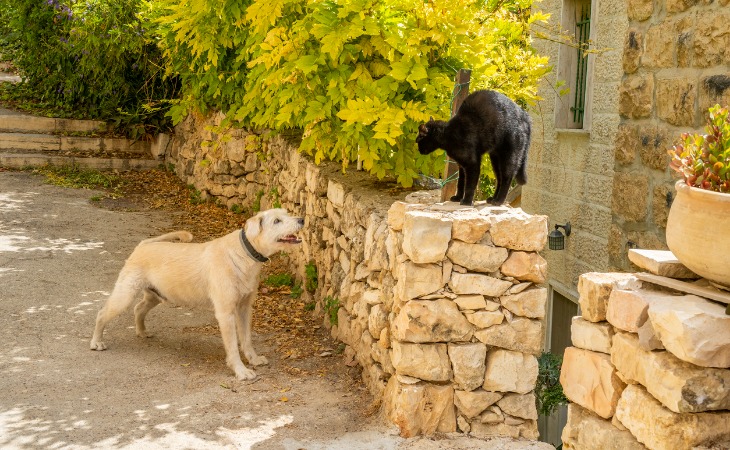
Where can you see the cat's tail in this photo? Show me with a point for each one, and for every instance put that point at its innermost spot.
(521, 176)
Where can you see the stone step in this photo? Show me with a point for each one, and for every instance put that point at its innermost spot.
(23, 161)
(15, 122)
(30, 142)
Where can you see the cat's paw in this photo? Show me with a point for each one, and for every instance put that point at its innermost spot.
(466, 202)
(456, 198)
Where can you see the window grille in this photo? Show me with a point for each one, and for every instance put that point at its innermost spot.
(583, 31)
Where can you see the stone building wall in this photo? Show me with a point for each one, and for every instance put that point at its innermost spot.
(648, 368)
(439, 305)
(570, 171)
(676, 61)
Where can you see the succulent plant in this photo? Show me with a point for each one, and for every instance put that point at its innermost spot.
(703, 160)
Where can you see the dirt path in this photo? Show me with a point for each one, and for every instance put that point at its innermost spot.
(59, 257)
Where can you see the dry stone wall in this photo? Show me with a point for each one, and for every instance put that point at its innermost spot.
(649, 368)
(440, 305)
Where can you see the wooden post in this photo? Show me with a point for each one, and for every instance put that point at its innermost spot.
(461, 90)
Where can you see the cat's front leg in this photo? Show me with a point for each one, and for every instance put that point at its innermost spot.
(470, 183)
(459, 186)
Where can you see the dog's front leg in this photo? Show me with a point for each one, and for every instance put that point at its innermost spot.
(226, 316)
(243, 323)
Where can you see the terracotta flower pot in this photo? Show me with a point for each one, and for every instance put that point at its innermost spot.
(697, 232)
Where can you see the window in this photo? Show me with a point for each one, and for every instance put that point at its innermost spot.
(574, 67)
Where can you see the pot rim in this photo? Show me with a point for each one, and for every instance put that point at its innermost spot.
(681, 185)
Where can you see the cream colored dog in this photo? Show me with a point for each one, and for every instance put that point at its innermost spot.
(222, 273)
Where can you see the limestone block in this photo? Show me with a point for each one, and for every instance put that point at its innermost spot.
(509, 371)
(693, 329)
(485, 319)
(336, 193)
(648, 339)
(479, 258)
(426, 236)
(377, 320)
(628, 310)
(660, 46)
(591, 336)
(420, 408)
(473, 403)
(517, 288)
(471, 302)
(519, 405)
(396, 215)
(469, 363)
(711, 40)
(640, 9)
(473, 283)
(525, 430)
(525, 267)
(590, 380)
(518, 230)
(425, 361)
(595, 288)
(633, 47)
(522, 335)
(530, 303)
(586, 431)
(660, 262)
(631, 194)
(678, 385)
(469, 227)
(415, 280)
(675, 99)
(659, 428)
(431, 321)
(636, 96)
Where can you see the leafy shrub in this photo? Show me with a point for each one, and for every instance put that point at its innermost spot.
(279, 280)
(91, 59)
(331, 306)
(548, 391)
(356, 76)
(312, 280)
(703, 160)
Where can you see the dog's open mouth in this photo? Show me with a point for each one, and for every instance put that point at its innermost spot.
(290, 239)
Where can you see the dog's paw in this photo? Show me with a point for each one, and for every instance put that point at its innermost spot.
(98, 346)
(258, 360)
(245, 374)
(144, 334)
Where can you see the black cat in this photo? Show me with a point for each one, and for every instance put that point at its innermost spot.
(487, 122)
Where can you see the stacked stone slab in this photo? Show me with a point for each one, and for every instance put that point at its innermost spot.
(466, 319)
(439, 306)
(649, 368)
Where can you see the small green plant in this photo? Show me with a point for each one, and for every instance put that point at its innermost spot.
(96, 198)
(196, 197)
(548, 391)
(279, 280)
(310, 306)
(256, 207)
(76, 177)
(703, 160)
(296, 290)
(238, 209)
(310, 272)
(331, 306)
(275, 198)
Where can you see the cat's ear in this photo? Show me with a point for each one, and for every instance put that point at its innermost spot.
(422, 129)
(431, 119)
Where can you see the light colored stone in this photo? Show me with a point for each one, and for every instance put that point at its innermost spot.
(591, 336)
(648, 339)
(479, 258)
(518, 230)
(519, 405)
(590, 380)
(517, 288)
(492, 417)
(420, 408)
(525, 266)
(636, 96)
(522, 335)
(425, 361)
(462, 424)
(336, 193)
(446, 267)
(530, 303)
(415, 280)
(693, 329)
(526, 430)
(473, 283)
(678, 385)
(469, 363)
(396, 215)
(660, 262)
(426, 236)
(471, 404)
(492, 306)
(509, 371)
(586, 431)
(377, 320)
(628, 310)
(431, 321)
(595, 288)
(469, 227)
(471, 302)
(485, 319)
(661, 429)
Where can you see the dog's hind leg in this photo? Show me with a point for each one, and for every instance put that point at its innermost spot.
(149, 301)
(243, 322)
(122, 297)
(225, 313)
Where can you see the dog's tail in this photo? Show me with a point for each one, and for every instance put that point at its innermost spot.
(182, 236)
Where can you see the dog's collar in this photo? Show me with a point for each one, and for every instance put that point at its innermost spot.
(251, 251)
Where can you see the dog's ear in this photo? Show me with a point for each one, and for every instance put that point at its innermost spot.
(254, 226)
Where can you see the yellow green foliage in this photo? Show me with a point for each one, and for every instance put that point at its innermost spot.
(356, 76)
